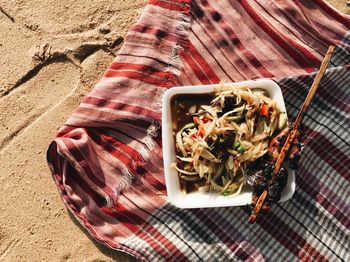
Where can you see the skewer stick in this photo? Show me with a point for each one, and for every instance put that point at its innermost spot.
(293, 132)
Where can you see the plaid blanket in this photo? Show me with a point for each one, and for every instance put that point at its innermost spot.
(107, 160)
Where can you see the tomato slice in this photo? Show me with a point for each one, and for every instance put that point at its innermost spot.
(196, 120)
(205, 119)
(264, 110)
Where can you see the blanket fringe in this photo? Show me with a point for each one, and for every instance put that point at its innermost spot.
(182, 33)
(124, 183)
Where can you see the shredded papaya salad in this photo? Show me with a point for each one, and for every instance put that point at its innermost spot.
(225, 136)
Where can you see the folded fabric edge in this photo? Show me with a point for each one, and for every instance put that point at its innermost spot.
(56, 158)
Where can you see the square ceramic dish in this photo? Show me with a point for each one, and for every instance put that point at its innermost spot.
(208, 199)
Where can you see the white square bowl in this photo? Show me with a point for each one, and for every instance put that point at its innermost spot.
(208, 199)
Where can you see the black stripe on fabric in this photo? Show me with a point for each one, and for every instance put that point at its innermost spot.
(302, 204)
(334, 208)
(228, 217)
(230, 220)
(314, 223)
(326, 152)
(167, 226)
(341, 56)
(336, 78)
(330, 85)
(330, 82)
(280, 236)
(149, 250)
(309, 182)
(241, 255)
(296, 89)
(338, 74)
(324, 166)
(335, 145)
(329, 175)
(292, 105)
(215, 220)
(146, 232)
(308, 230)
(312, 163)
(346, 40)
(183, 218)
(289, 87)
(333, 77)
(340, 107)
(319, 123)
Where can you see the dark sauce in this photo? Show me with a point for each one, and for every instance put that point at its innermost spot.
(180, 105)
(191, 186)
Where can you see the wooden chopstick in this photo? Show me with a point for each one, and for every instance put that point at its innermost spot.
(293, 132)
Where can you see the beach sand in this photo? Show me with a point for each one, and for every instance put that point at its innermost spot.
(52, 52)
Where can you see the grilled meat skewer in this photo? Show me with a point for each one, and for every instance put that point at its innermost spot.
(278, 141)
(289, 144)
(259, 173)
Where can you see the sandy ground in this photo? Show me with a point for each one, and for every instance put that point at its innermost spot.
(51, 54)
